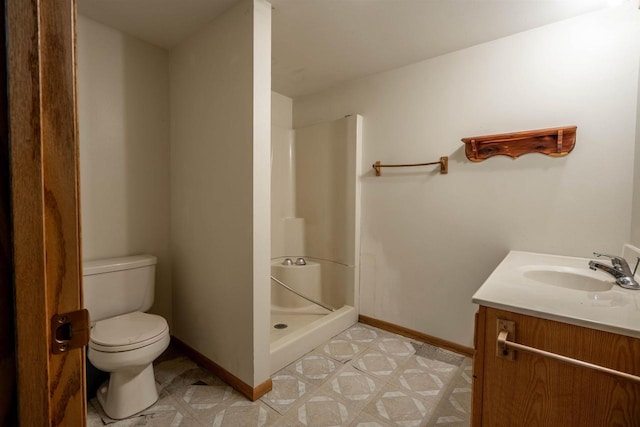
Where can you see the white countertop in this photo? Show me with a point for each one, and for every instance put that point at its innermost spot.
(534, 284)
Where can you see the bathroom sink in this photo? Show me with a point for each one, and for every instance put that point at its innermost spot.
(566, 277)
(563, 289)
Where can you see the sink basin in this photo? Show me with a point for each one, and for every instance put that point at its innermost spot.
(563, 289)
(567, 277)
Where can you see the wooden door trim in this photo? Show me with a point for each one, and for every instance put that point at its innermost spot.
(7, 341)
(28, 214)
(45, 206)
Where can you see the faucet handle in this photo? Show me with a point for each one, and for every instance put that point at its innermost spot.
(598, 255)
(617, 262)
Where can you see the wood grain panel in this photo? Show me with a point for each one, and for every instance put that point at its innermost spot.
(538, 391)
(478, 363)
(45, 206)
(28, 207)
(60, 172)
(7, 342)
(554, 142)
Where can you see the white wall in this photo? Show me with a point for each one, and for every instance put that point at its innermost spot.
(261, 190)
(430, 240)
(123, 109)
(635, 221)
(220, 137)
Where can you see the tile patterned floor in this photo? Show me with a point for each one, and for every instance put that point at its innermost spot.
(363, 377)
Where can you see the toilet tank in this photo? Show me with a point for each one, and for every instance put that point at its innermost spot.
(115, 286)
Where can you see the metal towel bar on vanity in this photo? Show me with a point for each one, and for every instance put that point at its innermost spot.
(505, 345)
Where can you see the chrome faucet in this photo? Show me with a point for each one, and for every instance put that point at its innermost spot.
(618, 269)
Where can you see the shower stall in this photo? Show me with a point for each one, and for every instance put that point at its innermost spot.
(315, 210)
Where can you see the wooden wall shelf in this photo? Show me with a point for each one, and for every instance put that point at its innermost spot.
(555, 142)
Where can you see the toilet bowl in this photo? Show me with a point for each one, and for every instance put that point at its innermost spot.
(124, 341)
(126, 346)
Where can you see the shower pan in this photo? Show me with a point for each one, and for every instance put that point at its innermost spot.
(315, 187)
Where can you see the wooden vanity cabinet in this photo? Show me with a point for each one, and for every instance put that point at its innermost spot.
(534, 390)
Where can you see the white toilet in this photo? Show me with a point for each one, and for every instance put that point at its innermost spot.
(124, 340)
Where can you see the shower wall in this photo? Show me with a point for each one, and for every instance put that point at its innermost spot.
(285, 238)
(315, 195)
(326, 197)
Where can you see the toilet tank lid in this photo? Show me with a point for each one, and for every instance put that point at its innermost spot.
(106, 265)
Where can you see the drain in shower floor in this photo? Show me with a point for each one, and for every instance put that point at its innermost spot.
(280, 325)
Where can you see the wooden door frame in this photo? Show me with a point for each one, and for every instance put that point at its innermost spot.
(7, 339)
(45, 206)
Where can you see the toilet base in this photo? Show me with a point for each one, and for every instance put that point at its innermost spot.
(128, 392)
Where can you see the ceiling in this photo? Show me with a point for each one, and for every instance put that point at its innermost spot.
(317, 44)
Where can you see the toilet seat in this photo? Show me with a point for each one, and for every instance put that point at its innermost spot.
(127, 332)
